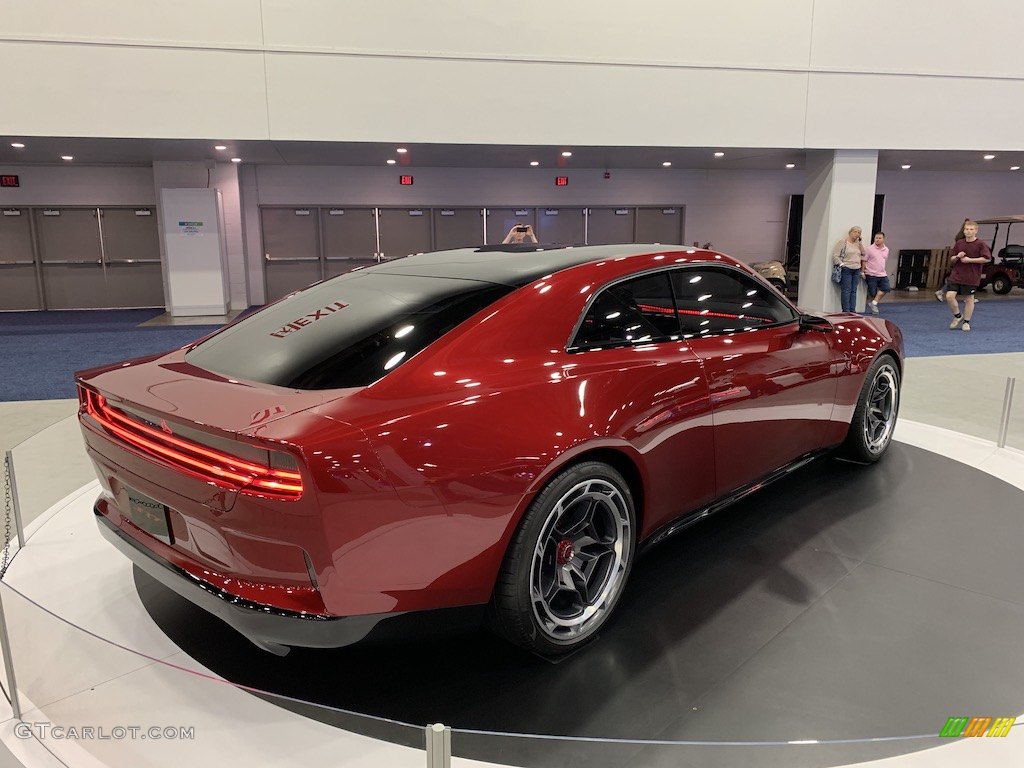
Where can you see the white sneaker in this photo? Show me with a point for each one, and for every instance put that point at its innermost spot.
(938, 295)
(967, 327)
(874, 307)
(956, 323)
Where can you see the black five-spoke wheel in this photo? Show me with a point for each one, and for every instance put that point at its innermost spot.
(875, 416)
(568, 562)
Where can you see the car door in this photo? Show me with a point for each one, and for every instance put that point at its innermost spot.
(649, 388)
(772, 384)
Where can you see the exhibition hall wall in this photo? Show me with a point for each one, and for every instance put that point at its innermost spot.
(795, 73)
(742, 213)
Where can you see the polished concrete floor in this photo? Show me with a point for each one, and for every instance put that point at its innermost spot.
(168, 319)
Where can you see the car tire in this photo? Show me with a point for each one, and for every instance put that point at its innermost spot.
(1001, 284)
(568, 561)
(779, 285)
(874, 418)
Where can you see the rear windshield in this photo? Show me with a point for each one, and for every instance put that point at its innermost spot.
(345, 332)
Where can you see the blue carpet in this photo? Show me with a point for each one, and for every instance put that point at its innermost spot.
(82, 319)
(42, 350)
(997, 326)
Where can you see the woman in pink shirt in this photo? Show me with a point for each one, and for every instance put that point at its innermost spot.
(873, 263)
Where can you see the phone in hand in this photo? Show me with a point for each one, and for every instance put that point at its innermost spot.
(521, 228)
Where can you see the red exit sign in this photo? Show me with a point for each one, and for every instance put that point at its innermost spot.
(405, 181)
(561, 181)
(9, 181)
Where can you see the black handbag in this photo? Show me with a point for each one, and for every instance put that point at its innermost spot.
(837, 270)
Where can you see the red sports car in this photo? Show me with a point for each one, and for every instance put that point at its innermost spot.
(499, 427)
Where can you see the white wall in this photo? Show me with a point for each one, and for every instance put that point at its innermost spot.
(701, 73)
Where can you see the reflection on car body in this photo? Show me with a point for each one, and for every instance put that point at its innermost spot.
(472, 428)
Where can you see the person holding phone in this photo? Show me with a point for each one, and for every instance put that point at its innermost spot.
(849, 252)
(520, 233)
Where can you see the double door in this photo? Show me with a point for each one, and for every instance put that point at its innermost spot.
(603, 225)
(635, 224)
(79, 258)
(19, 272)
(303, 245)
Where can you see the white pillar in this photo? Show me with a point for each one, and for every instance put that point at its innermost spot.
(840, 194)
(195, 247)
(224, 178)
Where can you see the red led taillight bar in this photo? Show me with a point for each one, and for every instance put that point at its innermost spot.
(216, 466)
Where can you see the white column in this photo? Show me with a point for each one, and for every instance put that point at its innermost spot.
(840, 194)
(196, 251)
(224, 178)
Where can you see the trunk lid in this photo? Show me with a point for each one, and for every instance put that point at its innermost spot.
(169, 387)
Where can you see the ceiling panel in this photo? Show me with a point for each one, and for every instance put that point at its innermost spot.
(130, 151)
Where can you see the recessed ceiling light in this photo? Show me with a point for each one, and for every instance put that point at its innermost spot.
(535, 163)
(1014, 167)
(220, 147)
(17, 145)
(666, 164)
(392, 161)
(236, 159)
(567, 154)
(989, 157)
(791, 165)
(905, 166)
(67, 157)
(719, 154)
(401, 150)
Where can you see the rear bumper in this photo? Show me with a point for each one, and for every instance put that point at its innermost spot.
(270, 628)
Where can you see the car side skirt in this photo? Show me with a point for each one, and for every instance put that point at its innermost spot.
(697, 515)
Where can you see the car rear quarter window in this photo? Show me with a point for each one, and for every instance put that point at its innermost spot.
(719, 300)
(634, 311)
(346, 332)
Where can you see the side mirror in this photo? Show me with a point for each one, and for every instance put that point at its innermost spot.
(815, 323)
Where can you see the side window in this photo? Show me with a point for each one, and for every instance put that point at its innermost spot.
(631, 312)
(717, 300)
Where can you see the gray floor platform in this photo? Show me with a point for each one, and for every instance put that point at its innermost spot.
(842, 603)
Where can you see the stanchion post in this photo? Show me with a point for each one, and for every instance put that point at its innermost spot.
(5, 644)
(1004, 422)
(15, 504)
(439, 746)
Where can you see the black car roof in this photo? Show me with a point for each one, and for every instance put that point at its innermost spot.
(514, 265)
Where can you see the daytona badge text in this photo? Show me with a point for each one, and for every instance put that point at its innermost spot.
(301, 322)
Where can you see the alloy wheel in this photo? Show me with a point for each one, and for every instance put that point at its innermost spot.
(580, 560)
(880, 413)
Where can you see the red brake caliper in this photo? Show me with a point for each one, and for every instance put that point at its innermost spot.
(565, 551)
